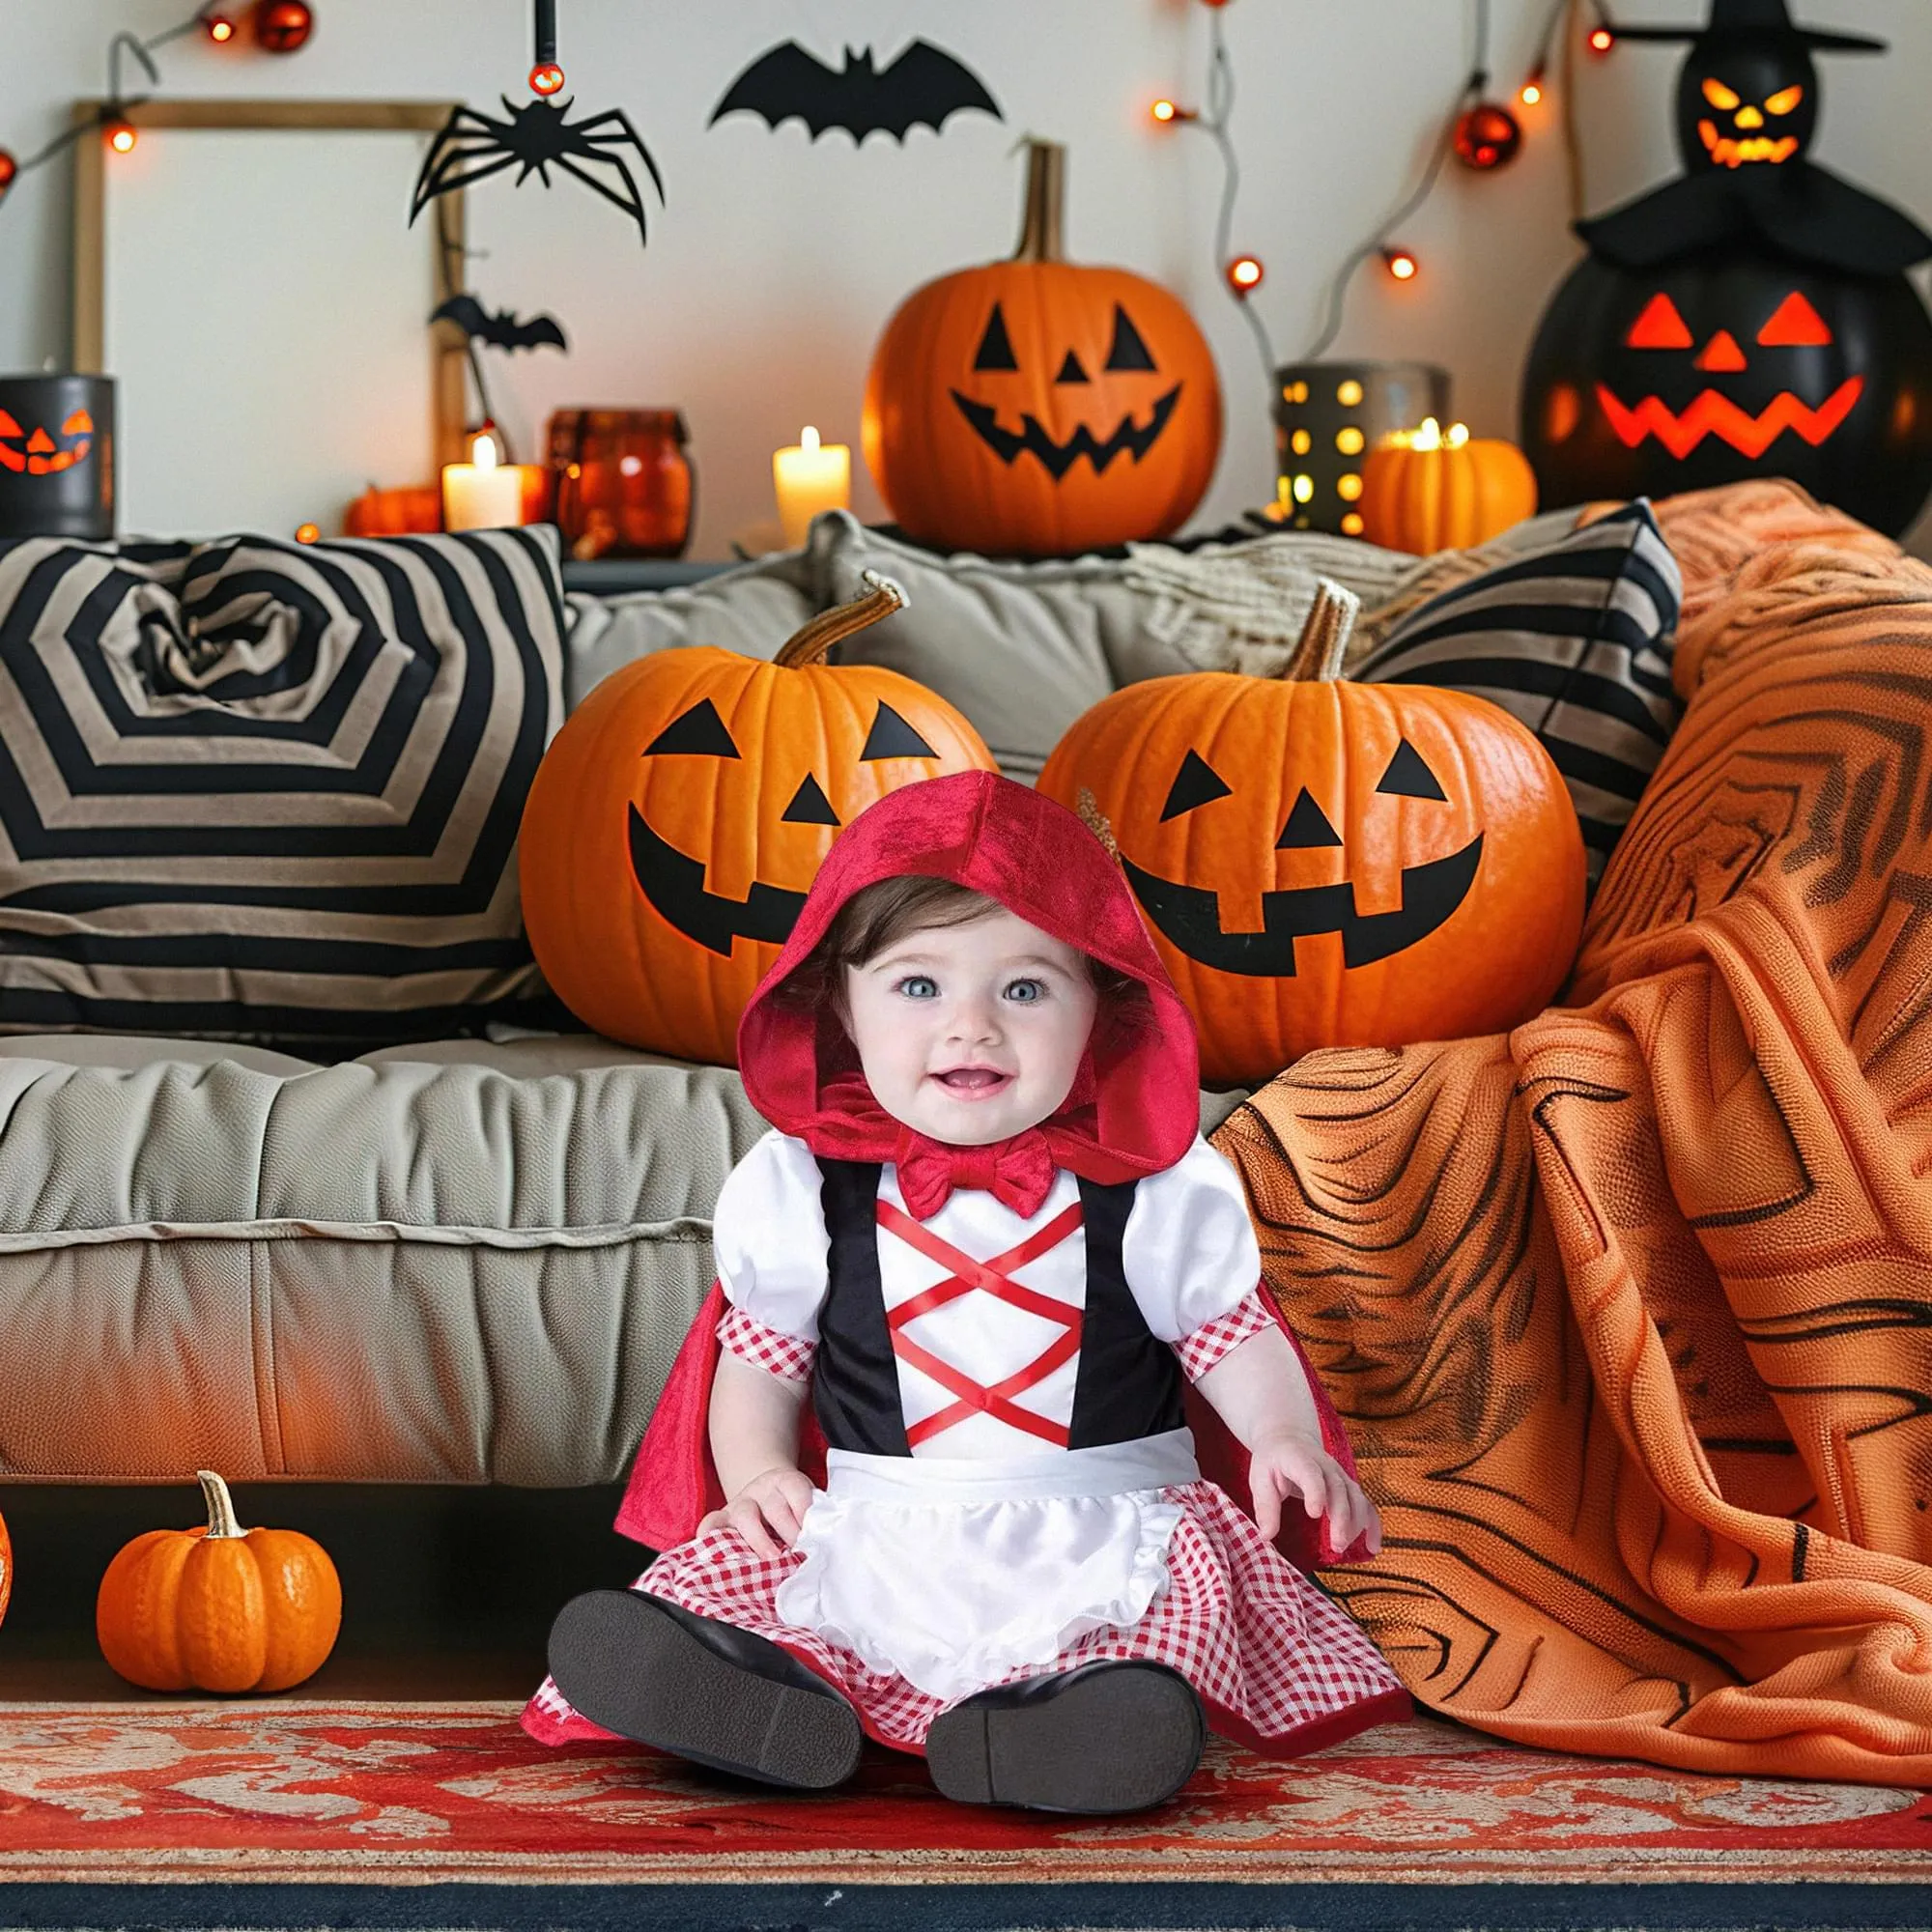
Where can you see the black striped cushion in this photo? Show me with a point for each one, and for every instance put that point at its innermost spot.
(259, 790)
(1576, 640)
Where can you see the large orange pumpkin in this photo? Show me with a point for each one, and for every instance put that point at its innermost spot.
(1326, 864)
(1037, 408)
(1424, 491)
(219, 1609)
(680, 815)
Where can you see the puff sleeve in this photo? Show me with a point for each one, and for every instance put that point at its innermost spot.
(1191, 1260)
(769, 1240)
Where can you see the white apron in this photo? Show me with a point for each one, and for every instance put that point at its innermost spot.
(955, 1572)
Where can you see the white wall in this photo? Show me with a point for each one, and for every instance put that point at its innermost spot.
(777, 260)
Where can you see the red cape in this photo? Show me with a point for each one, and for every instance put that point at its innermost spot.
(1134, 1110)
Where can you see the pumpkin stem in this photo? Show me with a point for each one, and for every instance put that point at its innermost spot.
(221, 1517)
(1317, 657)
(1045, 202)
(810, 643)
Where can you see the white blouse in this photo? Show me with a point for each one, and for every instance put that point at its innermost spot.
(1188, 1253)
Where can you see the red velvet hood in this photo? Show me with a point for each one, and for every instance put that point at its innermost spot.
(1135, 1108)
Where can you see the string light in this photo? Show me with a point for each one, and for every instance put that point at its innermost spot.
(547, 79)
(1602, 40)
(1244, 274)
(1166, 112)
(1401, 263)
(280, 26)
(1532, 89)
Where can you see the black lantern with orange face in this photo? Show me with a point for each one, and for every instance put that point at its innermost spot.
(1648, 382)
(1751, 317)
(57, 457)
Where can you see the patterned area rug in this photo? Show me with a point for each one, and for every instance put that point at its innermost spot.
(386, 1794)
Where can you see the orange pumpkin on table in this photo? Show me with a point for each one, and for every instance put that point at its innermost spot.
(1327, 863)
(680, 815)
(1036, 406)
(219, 1609)
(1426, 490)
(416, 510)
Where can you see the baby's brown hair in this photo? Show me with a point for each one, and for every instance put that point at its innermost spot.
(885, 912)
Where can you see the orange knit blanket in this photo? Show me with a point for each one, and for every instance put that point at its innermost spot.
(1629, 1312)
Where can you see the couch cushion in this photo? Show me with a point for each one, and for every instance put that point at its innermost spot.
(261, 790)
(455, 1262)
(1575, 639)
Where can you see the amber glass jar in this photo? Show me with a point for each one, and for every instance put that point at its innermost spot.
(623, 482)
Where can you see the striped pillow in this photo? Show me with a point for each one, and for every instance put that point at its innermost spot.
(256, 790)
(1576, 640)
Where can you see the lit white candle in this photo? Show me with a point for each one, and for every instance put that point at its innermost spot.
(483, 495)
(808, 477)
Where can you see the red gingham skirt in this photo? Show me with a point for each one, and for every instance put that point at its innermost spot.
(1278, 1667)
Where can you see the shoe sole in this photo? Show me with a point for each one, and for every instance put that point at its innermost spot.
(634, 1669)
(1124, 1739)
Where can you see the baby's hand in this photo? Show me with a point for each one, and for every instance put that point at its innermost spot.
(1287, 1463)
(767, 1511)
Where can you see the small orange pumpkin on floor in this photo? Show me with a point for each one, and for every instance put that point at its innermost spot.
(219, 1609)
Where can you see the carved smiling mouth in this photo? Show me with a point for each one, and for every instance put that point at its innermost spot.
(1190, 918)
(1712, 415)
(1730, 153)
(1058, 458)
(674, 886)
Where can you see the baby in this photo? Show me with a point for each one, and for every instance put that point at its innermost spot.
(986, 1242)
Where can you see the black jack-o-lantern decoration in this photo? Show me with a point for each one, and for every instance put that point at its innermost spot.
(56, 457)
(1750, 317)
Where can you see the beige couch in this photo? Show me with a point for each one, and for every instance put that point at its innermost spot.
(466, 1261)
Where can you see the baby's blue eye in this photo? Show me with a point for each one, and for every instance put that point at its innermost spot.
(918, 986)
(1026, 992)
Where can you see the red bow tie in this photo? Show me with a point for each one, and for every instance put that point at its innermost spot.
(1017, 1172)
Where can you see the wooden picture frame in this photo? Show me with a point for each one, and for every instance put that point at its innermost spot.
(96, 304)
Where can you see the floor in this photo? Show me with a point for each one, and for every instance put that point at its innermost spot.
(447, 1593)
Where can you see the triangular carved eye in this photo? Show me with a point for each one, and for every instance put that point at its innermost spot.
(1659, 327)
(892, 737)
(1128, 351)
(810, 805)
(1407, 776)
(996, 349)
(1796, 324)
(1307, 825)
(1195, 783)
(697, 734)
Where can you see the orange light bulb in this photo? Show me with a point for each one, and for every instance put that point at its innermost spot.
(1401, 263)
(1531, 93)
(1164, 110)
(121, 137)
(1244, 274)
(547, 79)
(219, 28)
(1602, 40)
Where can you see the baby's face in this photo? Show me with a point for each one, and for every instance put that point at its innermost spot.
(971, 1032)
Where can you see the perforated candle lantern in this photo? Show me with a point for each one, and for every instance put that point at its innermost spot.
(1328, 416)
(57, 457)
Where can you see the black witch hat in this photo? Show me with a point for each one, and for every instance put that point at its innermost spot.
(1737, 18)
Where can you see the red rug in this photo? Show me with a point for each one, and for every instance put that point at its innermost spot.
(409, 1793)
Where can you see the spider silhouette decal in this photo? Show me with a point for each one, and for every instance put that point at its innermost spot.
(472, 146)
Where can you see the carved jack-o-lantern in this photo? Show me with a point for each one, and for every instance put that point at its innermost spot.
(1750, 317)
(36, 453)
(1704, 372)
(679, 818)
(56, 456)
(1037, 406)
(1326, 864)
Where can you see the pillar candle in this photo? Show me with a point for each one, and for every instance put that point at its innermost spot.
(810, 476)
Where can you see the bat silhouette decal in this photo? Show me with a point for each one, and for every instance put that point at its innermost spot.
(504, 329)
(918, 89)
